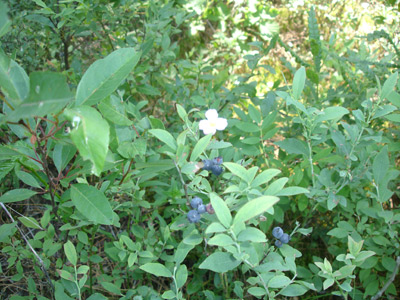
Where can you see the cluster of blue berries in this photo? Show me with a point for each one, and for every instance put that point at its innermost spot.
(282, 238)
(199, 208)
(213, 165)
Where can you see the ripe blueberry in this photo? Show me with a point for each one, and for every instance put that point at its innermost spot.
(277, 232)
(196, 201)
(285, 238)
(208, 164)
(217, 170)
(278, 243)
(217, 161)
(201, 209)
(193, 216)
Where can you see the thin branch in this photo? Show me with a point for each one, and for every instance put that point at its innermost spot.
(389, 282)
(42, 267)
(183, 182)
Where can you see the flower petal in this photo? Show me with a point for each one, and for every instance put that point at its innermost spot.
(204, 124)
(221, 123)
(212, 114)
(209, 130)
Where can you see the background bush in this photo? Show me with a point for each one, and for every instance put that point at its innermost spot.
(102, 156)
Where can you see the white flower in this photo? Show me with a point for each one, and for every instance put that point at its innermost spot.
(213, 123)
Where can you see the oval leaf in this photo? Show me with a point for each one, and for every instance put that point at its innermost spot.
(90, 135)
(220, 262)
(298, 82)
(156, 269)
(165, 137)
(254, 208)
(221, 210)
(16, 195)
(105, 75)
(70, 252)
(200, 147)
(92, 204)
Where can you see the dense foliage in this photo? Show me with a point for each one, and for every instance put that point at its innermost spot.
(199, 150)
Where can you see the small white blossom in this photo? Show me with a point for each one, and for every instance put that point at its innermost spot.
(212, 122)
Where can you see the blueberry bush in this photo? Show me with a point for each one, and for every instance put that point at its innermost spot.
(199, 150)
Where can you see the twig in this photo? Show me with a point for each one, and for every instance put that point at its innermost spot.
(183, 182)
(42, 267)
(127, 171)
(391, 279)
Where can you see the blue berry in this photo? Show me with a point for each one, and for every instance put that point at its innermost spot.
(193, 216)
(196, 201)
(201, 209)
(217, 161)
(285, 238)
(207, 164)
(277, 232)
(278, 243)
(217, 170)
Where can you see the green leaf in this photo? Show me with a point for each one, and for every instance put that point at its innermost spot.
(275, 187)
(354, 247)
(200, 147)
(394, 98)
(48, 94)
(294, 290)
(62, 154)
(181, 112)
(17, 195)
(215, 227)
(220, 262)
(254, 208)
(299, 81)
(380, 165)
(247, 127)
(14, 81)
(111, 287)
(96, 296)
(130, 149)
(388, 86)
(332, 113)
(5, 23)
(255, 114)
(279, 281)
(393, 117)
(156, 269)
(293, 190)
(256, 291)
(148, 90)
(92, 203)
(384, 110)
(30, 222)
(328, 283)
(252, 234)
(221, 210)
(70, 252)
(165, 137)
(105, 75)
(90, 135)
(169, 295)
(265, 177)
(181, 276)
(27, 179)
(294, 146)
(237, 169)
(7, 230)
(113, 110)
(221, 240)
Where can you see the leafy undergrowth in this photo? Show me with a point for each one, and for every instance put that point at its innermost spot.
(163, 151)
